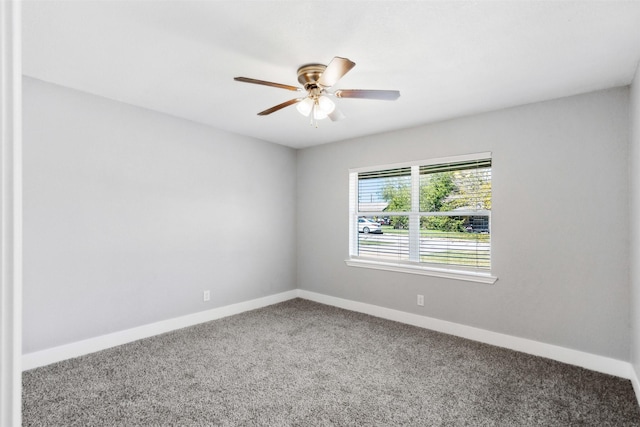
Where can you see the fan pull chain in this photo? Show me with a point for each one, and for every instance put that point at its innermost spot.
(313, 120)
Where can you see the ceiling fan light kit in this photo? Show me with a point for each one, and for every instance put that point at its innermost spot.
(316, 79)
(321, 107)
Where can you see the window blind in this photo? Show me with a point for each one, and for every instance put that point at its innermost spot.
(374, 189)
(449, 225)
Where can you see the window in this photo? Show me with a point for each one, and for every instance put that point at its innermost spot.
(431, 217)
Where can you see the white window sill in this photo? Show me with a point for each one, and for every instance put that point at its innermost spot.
(470, 276)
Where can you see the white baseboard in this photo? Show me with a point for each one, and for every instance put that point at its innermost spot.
(635, 383)
(574, 357)
(590, 361)
(80, 348)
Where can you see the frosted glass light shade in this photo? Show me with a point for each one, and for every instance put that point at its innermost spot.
(305, 107)
(326, 105)
(318, 114)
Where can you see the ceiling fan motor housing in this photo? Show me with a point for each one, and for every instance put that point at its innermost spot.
(308, 75)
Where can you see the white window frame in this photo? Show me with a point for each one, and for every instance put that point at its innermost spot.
(413, 265)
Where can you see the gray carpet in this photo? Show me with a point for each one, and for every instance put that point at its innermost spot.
(300, 363)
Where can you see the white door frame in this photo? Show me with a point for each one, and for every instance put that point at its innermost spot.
(10, 213)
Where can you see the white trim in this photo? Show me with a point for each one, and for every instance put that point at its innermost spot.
(469, 276)
(427, 162)
(634, 382)
(353, 218)
(590, 361)
(80, 348)
(11, 213)
(414, 216)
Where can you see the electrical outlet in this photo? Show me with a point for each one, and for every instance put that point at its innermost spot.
(206, 296)
(421, 300)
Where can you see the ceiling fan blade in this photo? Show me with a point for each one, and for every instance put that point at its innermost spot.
(386, 95)
(337, 68)
(265, 83)
(280, 106)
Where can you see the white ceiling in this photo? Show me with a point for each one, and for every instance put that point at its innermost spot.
(447, 58)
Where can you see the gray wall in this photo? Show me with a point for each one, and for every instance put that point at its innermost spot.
(634, 204)
(130, 214)
(559, 222)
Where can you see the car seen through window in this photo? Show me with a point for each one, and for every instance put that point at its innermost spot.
(367, 226)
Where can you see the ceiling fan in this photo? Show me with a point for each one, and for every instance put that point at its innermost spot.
(317, 79)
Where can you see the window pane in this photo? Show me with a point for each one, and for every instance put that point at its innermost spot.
(450, 190)
(474, 189)
(438, 192)
(387, 190)
(456, 240)
(389, 242)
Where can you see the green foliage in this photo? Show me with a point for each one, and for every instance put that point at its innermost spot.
(475, 192)
(398, 194)
(436, 195)
(435, 190)
(442, 223)
(400, 222)
(485, 189)
(439, 192)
